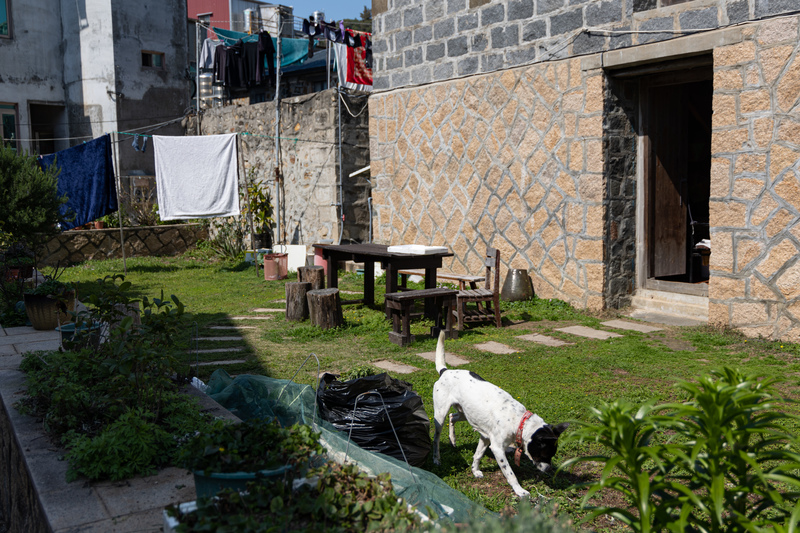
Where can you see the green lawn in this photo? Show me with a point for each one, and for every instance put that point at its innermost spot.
(559, 384)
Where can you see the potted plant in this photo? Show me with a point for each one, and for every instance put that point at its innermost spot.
(18, 262)
(230, 455)
(259, 208)
(48, 304)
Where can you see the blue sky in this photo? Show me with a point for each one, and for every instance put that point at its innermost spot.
(336, 10)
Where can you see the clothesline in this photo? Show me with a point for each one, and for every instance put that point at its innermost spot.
(133, 131)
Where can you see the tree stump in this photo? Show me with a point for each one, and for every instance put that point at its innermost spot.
(313, 274)
(296, 302)
(325, 308)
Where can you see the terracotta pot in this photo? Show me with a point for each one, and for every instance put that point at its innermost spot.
(99, 224)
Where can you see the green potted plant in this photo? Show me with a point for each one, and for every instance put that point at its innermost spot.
(48, 304)
(230, 455)
(18, 262)
(259, 208)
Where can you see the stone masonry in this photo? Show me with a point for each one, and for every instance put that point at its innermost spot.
(755, 182)
(76, 246)
(309, 161)
(502, 124)
(511, 160)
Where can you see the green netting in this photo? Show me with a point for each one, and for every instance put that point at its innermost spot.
(250, 396)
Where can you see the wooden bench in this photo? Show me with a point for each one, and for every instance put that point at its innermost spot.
(399, 304)
(461, 279)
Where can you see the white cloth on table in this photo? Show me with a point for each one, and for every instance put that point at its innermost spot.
(196, 176)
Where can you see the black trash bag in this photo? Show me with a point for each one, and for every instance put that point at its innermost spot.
(372, 429)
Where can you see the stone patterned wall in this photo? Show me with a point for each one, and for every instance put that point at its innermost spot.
(309, 159)
(512, 160)
(418, 42)
(72, 247)
(755, 182)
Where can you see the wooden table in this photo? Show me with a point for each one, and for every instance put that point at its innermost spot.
(369, 254)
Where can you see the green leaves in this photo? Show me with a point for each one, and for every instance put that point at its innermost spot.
(720, 461)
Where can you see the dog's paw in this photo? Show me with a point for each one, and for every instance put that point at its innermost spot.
(477, 473)
(522, 493)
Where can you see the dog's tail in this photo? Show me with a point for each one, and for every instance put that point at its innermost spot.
(440, 363)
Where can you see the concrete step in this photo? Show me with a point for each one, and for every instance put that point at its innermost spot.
(681, 307)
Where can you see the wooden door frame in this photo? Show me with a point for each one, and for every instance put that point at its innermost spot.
(644, 208)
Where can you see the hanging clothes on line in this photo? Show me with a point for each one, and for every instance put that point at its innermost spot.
(86, 177)
(292, 50)
(351, 63)
(196, 177)
(208, 52)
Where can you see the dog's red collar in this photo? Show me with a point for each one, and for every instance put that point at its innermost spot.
(520, 446)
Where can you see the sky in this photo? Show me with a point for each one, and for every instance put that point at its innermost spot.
(334, 10)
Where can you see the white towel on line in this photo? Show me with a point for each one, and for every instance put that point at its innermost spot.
(196, 176)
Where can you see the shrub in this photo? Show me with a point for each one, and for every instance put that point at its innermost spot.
(730, 465)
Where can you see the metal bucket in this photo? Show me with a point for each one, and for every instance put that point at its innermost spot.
(518, 286)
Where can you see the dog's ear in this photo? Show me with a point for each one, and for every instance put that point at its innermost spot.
(559, 429)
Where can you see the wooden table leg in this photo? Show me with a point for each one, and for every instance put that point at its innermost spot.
(333, 275)
(369, 283)
(430, 283)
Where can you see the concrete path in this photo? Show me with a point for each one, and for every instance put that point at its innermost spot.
(392, 366)
(589, 333)
(450, 359)
(544, 339)
(631, 326)
(495, 348)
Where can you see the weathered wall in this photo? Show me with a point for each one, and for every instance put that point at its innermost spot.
(512, 160)
(26, 73)
(755, 182)
(72, 247)
(309, 161)
(417, 42)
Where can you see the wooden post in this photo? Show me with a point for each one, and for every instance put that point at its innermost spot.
(313, 274)
(296, 302)
(325, 308)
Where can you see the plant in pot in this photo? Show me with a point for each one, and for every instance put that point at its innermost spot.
(258, 208)
(18, 262)
(231, 455)
(49, 303)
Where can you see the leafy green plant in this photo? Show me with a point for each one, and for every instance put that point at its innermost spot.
(229, 239)
(258, 207)
(333, 498)
(731, 465)
(360, 371)
(50, 287)
(251, 446)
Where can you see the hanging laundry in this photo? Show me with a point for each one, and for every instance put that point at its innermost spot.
(207, 53)
(368, 53)
(196, 177)
(292, 50)
(351, 65)
(87, 179)
(135, 143)
(313, 29)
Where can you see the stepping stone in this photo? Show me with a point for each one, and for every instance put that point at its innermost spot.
(350, 292)
(228, 362)
(632, 326)
(496, 348)
(222, 350)
(544, 339)
(25, 336)
(232, 327)
(218, 339)
(450, 358)
(269, 310)
(268, 317)
(591, 333)
(391, 366)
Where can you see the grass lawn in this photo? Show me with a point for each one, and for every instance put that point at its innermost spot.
(559, 384)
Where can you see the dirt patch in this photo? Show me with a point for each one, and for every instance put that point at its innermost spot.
(677, 345)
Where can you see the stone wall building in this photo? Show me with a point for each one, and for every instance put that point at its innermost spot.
(605, 146)
(314, 185)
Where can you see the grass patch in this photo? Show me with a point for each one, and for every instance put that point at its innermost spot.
(559, 384)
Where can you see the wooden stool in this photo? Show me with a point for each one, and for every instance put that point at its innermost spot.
(400, 304)
(313, 274)
(296, 301)
(325, 308)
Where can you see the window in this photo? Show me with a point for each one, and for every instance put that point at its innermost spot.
(8, 124)
(152, 59)
(5, 22)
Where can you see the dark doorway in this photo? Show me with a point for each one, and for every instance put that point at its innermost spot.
(676, 120)
(48, 128)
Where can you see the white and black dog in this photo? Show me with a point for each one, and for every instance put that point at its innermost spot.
(500, 420)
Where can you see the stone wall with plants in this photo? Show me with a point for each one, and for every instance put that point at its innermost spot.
(512, 160)
(309, 161)
(755, 182)
(75, 246)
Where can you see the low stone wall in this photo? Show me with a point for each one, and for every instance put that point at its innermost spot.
(77, 246)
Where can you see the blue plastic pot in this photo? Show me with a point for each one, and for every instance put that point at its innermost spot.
(207, 486)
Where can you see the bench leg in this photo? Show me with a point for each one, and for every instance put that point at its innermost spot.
(444, 318)
(401, 324)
